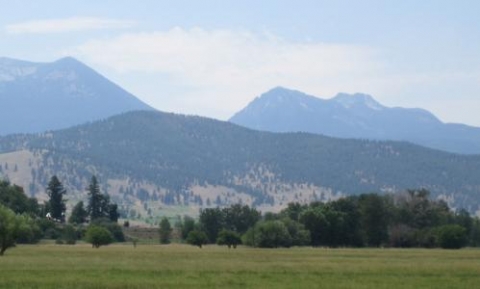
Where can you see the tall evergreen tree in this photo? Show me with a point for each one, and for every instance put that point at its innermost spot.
(95, 200)
(113, 212)
(99, 205)
(79, 214)
(56, 203)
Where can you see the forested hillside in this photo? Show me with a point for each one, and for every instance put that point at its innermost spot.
(157, 159)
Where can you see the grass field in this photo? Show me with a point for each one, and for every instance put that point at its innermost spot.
(182, 266)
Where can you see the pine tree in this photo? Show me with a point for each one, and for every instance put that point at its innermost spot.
(79, 214)
(56, 203)
(95, 200)
(113, 212)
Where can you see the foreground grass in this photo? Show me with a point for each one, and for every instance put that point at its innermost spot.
(179, 266)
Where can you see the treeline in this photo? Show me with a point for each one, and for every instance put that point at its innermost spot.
(24, 220)
(403, 220)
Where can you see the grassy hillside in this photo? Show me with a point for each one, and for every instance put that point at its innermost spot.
(147, 160)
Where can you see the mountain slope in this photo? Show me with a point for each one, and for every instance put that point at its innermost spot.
(182, 160)
(36, 97)
(354, 116)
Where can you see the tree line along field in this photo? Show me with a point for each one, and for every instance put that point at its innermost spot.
(310, 244)
(183, 266)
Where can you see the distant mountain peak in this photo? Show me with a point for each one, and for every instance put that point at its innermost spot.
(68, 61)
(354, 116)
(281, 94)
(349, 101)
(78, 94)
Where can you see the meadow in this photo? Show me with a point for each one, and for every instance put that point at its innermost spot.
(183, 266)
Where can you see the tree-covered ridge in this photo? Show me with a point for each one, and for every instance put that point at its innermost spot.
(175, 152)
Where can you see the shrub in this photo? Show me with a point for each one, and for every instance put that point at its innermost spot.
(452, 236)
(268, 234)
(113, 227)
(98, 236)
(69, 235)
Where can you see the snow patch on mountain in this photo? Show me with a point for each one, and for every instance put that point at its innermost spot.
(349, 101)
(12, 69)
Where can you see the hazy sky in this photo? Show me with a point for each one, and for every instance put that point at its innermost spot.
(212, 58)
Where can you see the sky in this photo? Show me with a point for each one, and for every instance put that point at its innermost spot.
(212, 57)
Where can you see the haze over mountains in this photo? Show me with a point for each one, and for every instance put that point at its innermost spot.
(148, 159)
(36, 97)
(354, 116)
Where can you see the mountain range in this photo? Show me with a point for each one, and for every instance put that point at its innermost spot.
(148, 160)
(36, 97)
(354, 116)
(65, 119)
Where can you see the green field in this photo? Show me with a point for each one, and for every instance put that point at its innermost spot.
(182, 266)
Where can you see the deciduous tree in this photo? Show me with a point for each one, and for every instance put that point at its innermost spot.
(165, 231)
(197, 238)
(11, 227)
(229, 238)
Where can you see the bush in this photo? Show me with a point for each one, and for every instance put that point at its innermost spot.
(12, 226)
(268, 234)
(426, 238)
(112, 227)
(98, 236)
(29, 232)
(48, 229)
(452, 236)
(69, 235)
